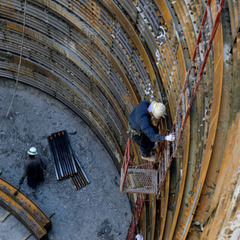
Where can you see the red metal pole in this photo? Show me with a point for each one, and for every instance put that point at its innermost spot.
(209, 45)
(136, 213)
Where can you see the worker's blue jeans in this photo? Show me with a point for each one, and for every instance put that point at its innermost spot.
(144, 143)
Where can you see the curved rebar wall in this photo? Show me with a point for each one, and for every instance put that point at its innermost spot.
(101, 58)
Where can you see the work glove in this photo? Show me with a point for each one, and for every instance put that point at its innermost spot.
(170, 137)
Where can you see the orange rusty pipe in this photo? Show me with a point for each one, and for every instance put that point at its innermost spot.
(25, 202)
(22, 215)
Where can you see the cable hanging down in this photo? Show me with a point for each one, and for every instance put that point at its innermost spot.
(19, 65)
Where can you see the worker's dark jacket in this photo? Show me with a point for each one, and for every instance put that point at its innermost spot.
(140, 120)
(33, 169)
(143, 132)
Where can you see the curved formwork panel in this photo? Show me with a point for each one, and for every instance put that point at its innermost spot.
(25, 210)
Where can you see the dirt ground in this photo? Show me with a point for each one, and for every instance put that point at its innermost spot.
(97, 211)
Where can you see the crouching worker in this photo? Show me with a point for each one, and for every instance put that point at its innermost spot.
(142, 130)
(33, 169)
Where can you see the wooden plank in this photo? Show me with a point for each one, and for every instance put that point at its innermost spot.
(5, 216)
(26, 236)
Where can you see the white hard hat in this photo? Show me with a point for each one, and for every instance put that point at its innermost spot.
(32, 151)
(158, 109)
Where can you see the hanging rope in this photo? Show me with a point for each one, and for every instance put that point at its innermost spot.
(19, 66)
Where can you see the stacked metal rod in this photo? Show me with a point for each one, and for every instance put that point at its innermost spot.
(80, 179)
(65, 160)
(61, 151)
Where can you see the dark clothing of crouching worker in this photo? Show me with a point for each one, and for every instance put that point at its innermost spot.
(141, 128)
(33, 169)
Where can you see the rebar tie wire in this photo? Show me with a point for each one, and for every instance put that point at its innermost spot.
(19, 66)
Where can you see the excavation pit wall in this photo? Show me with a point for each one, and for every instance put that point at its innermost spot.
(100, 58)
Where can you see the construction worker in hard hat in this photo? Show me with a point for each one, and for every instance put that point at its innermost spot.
(141, 129)
(33, 169)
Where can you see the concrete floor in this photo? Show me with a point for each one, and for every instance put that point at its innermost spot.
(99, 210)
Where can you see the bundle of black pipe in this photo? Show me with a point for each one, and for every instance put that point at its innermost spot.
(80, 179)
(65, 161)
